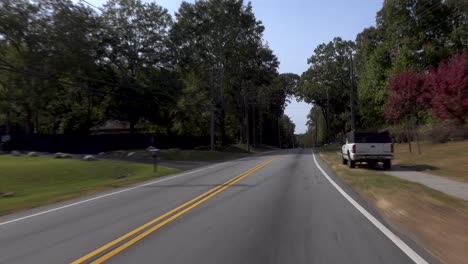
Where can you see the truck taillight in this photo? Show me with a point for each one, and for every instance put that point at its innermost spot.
(353, 150)
(391, 147)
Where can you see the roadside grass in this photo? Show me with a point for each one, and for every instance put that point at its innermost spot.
(258, 149)
(37, 181)
(227, 153)
(200, 155)
(436, 220)
(331, 148)
(448, 159)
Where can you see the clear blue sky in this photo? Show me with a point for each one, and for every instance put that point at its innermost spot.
(295, 27)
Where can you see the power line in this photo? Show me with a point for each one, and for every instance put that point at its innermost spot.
(442, 22)
(82, 77)
(79, 77)
(75, 84)
(424, 12)
(88, 3)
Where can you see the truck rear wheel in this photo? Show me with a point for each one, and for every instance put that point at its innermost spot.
(351, 163)
(387, 164)
(343, 160)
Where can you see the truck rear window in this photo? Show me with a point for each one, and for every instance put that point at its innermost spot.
(360, 137)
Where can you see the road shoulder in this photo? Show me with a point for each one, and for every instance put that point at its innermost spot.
(417, 214)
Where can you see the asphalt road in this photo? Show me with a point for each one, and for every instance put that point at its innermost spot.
(280, 209)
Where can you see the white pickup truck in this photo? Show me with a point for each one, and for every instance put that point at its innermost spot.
(369, 148)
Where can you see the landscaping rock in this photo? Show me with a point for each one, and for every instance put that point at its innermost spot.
(33, 154)
(119, 153)
(130, 154)
(7, 194)
(150, 148)
(101, 154)
(16, 153)
(60, 155)
(90, 158)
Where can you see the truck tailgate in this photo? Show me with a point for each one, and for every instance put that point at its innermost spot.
(374, 148)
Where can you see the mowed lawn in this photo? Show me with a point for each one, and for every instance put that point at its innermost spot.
(448, 159)
(37, 181)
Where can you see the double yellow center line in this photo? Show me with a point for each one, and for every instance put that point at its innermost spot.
(162, 220)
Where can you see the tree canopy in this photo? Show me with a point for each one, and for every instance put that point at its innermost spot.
(390, 65)
(66, 67)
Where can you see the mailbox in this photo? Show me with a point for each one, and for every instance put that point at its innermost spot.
(154, 153)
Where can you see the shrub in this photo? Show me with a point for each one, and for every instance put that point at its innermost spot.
(445, 132)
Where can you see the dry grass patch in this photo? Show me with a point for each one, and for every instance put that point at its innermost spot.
(448, 159)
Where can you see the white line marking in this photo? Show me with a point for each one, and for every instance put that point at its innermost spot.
(389, 234)
(109, 194)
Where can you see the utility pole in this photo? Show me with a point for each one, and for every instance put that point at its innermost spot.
(221, 99)
(292, 139)
(279, 131)
(316, 128)
(212, 111)
(260, 119)
(247, 119)
(351, 92)
(328, 116)
(253, 125)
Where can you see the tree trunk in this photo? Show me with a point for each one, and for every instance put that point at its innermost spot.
(316, 132)
(279, 130)
(36, 122)
(132, 126)
(408, 136)
(416, 136)
(246, 106)
(222, 112)
(27, 121)
(88, 115)
(325, 114)
(253, 126)
(223, 128)
(260, 126)
(8, 126)
(240, 118)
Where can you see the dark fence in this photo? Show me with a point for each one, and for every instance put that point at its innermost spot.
(99, 143)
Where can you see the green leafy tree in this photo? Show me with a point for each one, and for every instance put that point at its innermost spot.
(138, 52)
(409, 34)
(329, 81)
(224, 37)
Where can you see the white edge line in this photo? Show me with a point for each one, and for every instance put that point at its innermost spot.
(389, 234)
(110, 194)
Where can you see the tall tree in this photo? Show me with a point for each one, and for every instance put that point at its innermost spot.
(329, 82)
(406, 91)
(48, 61)
(409, 34)
(224, 37)
(449, 84)
(139, 53)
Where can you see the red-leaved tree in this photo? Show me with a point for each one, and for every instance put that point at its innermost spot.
(449, 87)
(407, 96)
